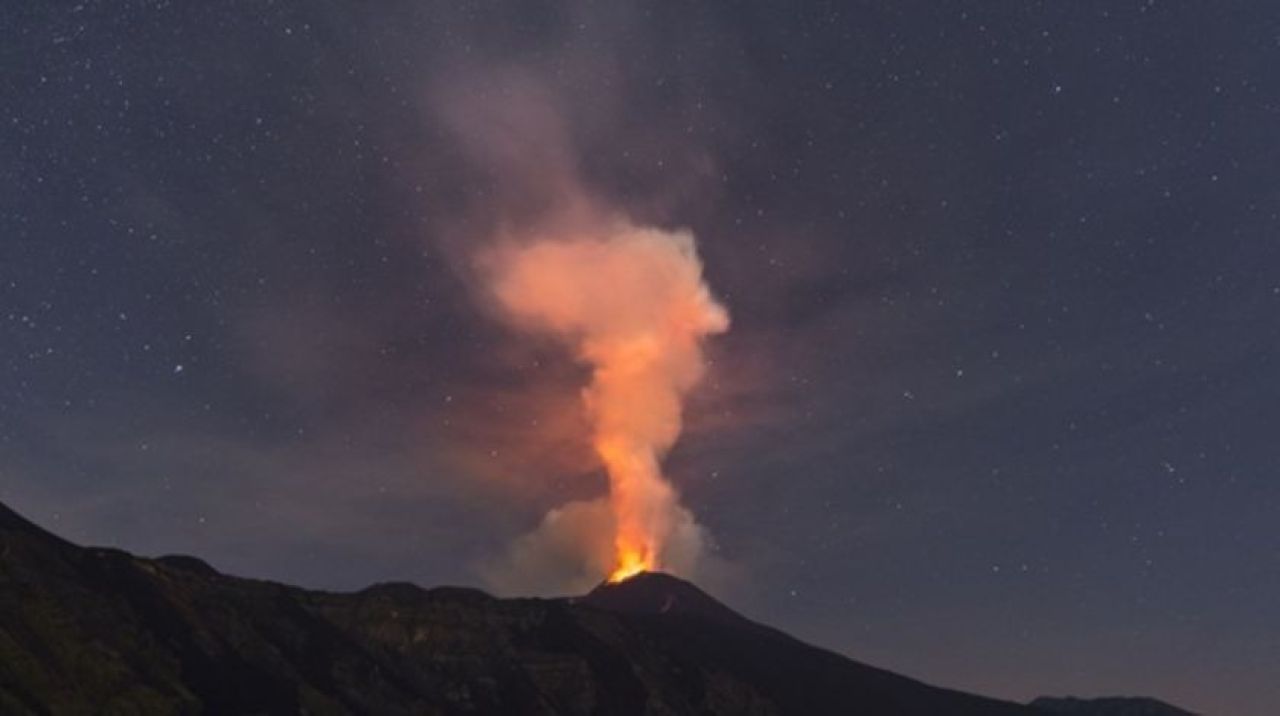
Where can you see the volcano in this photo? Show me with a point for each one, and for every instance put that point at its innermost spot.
(657, 593)
(92, 630)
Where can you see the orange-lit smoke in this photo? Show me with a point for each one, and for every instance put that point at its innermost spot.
(632, 304)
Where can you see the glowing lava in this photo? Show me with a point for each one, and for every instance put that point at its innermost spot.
(633, 305)
(629, 565)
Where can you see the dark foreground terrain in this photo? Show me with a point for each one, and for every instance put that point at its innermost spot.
(85, 630)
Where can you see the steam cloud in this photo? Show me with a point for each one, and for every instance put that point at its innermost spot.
(631, 304)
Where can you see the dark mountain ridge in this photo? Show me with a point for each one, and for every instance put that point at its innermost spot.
(1112, 706)
(90, 630)
(659, 593)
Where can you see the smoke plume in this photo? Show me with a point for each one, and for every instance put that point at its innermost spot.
(631, 304)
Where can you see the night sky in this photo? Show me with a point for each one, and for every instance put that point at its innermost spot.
(998, 409)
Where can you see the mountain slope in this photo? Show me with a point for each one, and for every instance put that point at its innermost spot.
(86, 630)
(692, 626)
(1113, 706)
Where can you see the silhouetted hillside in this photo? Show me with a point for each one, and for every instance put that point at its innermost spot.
(86, 630)
(1115, 706)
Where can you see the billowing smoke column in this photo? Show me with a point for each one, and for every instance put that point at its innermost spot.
(631, 303)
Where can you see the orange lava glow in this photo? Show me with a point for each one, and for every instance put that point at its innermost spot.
(629, 565)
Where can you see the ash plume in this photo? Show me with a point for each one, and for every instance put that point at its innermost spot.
(624, 299)
(631, 304)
